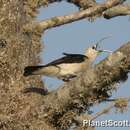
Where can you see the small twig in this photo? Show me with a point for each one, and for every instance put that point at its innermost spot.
(80, 119)
(106, 110)
(100, 41)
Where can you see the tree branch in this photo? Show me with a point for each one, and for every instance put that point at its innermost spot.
(95, 85)
(120, 10)
(60, 20)
(79, 120)
(83, 4)
(57, 21)
(112, 105)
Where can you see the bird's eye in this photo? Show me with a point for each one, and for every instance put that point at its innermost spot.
(93, 47)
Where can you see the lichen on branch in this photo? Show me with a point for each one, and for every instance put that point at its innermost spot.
(120, 10)
(61, 20)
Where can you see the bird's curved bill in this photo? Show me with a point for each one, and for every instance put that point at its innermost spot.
(105, 51)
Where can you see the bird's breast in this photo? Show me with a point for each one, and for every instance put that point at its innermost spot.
(72, 68)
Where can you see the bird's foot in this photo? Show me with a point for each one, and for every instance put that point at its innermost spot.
(67, 78)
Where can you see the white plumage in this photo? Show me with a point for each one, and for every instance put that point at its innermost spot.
(67, 67)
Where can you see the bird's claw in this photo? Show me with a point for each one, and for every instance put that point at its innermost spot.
(67, 78)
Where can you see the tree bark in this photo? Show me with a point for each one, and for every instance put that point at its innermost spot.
(21, 110)
(17, 50)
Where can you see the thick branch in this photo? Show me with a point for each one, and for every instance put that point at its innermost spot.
(83, 4)
(93, 86)
(60, 20)
(57, 21)
(120, 10)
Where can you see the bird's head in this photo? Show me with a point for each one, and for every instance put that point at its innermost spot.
(94, 51)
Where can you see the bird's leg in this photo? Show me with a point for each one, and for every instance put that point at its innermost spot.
(67, 78)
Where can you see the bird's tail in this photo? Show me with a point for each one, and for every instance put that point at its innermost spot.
(30, 70)
(41, 70)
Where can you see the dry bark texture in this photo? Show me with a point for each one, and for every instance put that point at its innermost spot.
(20, 47)
(17, 50)
(83, 4)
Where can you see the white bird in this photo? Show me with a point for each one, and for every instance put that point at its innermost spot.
(67, 67)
